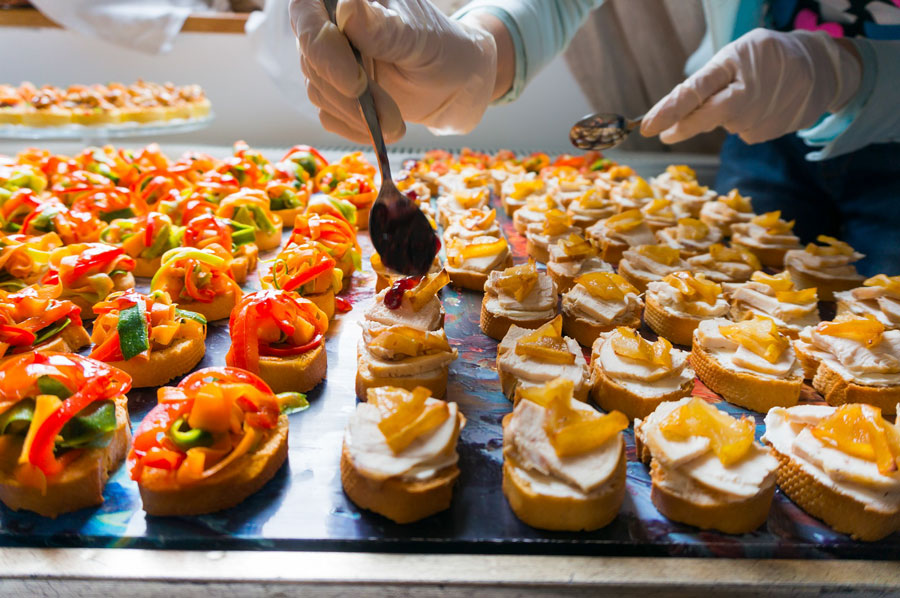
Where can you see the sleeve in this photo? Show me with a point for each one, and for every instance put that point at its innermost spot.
(540, 29)
(872, 116)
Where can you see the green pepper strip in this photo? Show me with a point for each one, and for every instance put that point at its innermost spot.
(15, 420)
(132, 328)
(186, 437)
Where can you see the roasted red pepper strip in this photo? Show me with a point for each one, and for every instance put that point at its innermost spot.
(288, 350)
(342, 305)
(192, 382)
(325, 263)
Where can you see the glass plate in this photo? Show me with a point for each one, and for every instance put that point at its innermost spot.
(111, 131)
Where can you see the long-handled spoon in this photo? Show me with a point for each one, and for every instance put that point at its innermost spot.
(602, 130)
(400, 232)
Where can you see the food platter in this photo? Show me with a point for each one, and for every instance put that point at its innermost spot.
(304, 507)
(93, 133)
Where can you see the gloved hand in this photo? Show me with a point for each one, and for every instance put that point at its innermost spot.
(425, 67)
(761, 86)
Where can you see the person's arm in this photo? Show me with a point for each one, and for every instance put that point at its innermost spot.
(536, 31)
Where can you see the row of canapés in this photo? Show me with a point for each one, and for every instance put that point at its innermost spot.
(77, 231)
(92, 105)
(839, 462)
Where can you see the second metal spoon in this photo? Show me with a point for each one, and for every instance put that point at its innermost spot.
(602, 130)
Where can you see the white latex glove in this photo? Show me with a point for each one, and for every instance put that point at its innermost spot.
(425, 67)
(761, 86)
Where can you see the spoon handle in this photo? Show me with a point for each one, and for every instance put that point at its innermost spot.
(367, 106)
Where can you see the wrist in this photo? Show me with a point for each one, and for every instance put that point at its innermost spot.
(506, 54)
(848, 70)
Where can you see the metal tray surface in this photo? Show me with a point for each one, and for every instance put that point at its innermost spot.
(304, 507)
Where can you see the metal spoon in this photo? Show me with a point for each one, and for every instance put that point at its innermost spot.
(400, 232)
(602, 130)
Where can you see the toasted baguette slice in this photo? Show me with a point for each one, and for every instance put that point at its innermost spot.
(243, 265)
(266, 241)
(840, 512)
(496, 326)
(678, 330)
(611, 395)
(434, 380)
(146, 268)
(825, 287)
(509, 383)
(324, 301)
(611, 251)
(837, 391)
(586, 331)
(809, 361)
(362, 217)
(217, 309)
(707, 509)
(79, 485)
(227, 488)
(467, 279)
(745, 390)
(71, 339)
(639, 281)
(289, 215)
(540, 254)
(121, 282)
(398, 500)
(564, 513)
(164, 364)
(297, 373)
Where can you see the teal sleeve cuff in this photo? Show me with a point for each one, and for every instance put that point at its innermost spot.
(540, 30)
(871, 116)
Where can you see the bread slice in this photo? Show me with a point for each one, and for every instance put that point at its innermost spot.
(509, 383)
(587, 331)
(611, 251)
(540, 254)
(146, 268)
(825, 287)
(433, 380)
(164, 364)
(243, 265)
(297, 373)
(496, 326)
(399, 500)
(289, 216)
(467, 279)
(756, 393)
(79, 485)
(842, 513)
(715, 511)
(564, 513)
(837, 391)
(768, 256)
(227, 488)
(362, 217)
(324, 301)
(809, 361)
(677, 329)
(639, 281)
(610, 395)
(217, 309)
(266, 241)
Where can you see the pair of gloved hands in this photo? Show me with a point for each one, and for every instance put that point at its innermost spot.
(430, 69)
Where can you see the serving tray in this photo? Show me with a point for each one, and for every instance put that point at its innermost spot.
(304, 508)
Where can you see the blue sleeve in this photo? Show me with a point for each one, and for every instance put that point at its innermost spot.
(872, 116)
(540, 29)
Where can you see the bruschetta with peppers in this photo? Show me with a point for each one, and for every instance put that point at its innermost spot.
(251, 207)
(23, 259)
(280, 337)
(64, 429)
(31, 320)
(339, 208)
(336, 236)
(304, 157)
(239, 239)
(359, 189)
(147, 336)
(307, 270)
(199, 280)
(144, 238)
(209, 443)
(288, 195)
(86, 273)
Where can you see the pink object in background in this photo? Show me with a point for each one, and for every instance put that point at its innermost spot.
(808, 20)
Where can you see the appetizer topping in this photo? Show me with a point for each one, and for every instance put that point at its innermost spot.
(328, 204)
(459, 250)
(23, 257)
(722, 253)
(797, 297)
(577, 247)
(427, 287)
(200, 275)
(620, 172)
(307, 158)
(661, 254)
(469, 199)
(571, 431)
(865, 329)
(522, 189)
(211, 419)
(336, 235)
(772, 222)
(273, 323)
(730, 439)
(607, 286)
(593, 199)
(546, 344)
(737, 202)
(476, 219)
(681, 172)
(639, 188)
(694, 188)
(31, 317)
(890, 284)
(476, 180)
(657, 206)
(408, 341)
(207, 229)
(61, 404)
(250, 207)
(130, 325)
(305, 268)
(625, 221)
(830, 246)
(518, 281)
(405, 415)
(759, 335)
(393, 298)
(626, 342)
(76, 267)
(695, 287)
(556, 222)
(860, 430)
(780, 282)
(692, 229)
